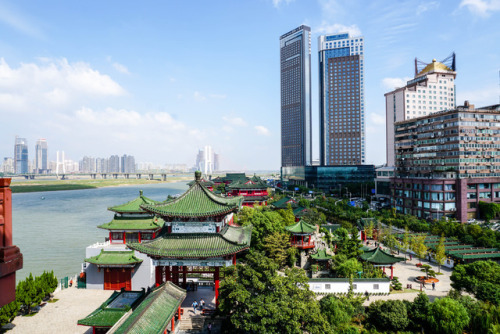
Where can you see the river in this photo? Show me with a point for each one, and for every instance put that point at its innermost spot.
(52, 229)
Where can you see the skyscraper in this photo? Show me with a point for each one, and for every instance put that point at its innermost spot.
(295, 69)
(433, 89)
(21, 155)
(128, 164)
(341, 96)
(114, 164)
(41, 163)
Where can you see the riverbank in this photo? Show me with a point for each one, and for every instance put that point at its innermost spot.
(60, 185)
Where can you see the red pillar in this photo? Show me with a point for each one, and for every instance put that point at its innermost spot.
(234, 259)
(11, 258)
(216, 281)
(363, 236)
(173, 325)
(179, 312)
(169, 229)
(392, 272)
(139, 237)
(110, 237)
(302, 240)
(158, 275)
(124, 238)
(383, 269)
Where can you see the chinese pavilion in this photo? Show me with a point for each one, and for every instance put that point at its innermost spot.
(198, 233)
(380, 258)
(110, 265)
(283, 203)
(253, 190)
(302, 233)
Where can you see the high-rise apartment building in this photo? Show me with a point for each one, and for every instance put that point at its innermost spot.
(432, 90)
(205, 160)
(21, 155)
(7, 166)
(114, 164)
(128, 164)
(446, 162)
(341, 96)
(41, 162)
(295, 69)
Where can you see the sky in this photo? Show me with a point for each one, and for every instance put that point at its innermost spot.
(161, 79)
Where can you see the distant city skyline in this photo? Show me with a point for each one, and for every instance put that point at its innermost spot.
(150, 82)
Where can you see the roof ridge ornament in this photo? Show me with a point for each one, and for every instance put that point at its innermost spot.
(197, 176)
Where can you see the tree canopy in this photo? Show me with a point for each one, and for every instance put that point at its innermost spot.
(259, 300)
(480, 278)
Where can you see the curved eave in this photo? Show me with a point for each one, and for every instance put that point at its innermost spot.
(153, 254)
(204, 214)
(129, 228)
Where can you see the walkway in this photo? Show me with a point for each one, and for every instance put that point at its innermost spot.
(62, 316)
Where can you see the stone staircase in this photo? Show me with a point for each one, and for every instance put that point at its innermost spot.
(192, 324)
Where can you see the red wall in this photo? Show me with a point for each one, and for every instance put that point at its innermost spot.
(11, 258)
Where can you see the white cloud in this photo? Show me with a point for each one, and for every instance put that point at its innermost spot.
(484, 96)
(426, 6)
(262, 130)
(198, 96)
(326, 28)
(121, 68)
(236, 121)
(481, 7)
(19, 23)
(52, 83)
(277, 3)
(393, 83)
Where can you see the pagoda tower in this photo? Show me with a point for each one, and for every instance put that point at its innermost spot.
(198, 234)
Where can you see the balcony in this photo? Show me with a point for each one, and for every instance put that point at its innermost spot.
(303, 244)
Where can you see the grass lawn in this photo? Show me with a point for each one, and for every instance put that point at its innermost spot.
(57, 185)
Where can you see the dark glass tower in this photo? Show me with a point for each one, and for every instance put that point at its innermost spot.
(295, 70)
(21, 156)
(41, 164)
(341, 96)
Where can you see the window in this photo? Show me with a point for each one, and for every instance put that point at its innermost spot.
(375, 287)
(328, 286)
(117, 236)
(146, 236)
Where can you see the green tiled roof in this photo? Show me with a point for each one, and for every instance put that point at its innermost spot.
(229, 241)
(205, 183)
(321, 255)
(231, 177)
(299, 211)
(362, 222)
(478, 256)
(104, 316)
(301, 227)
(197, 201)
(133, 223)
(113, 258)
(134, 205)
(154, 314)
(379, 256)
(247, 185)
(282, 203)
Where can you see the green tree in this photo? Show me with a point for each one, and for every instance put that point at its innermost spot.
(480, 278)
(419, 247)
(447, 316)
(256, 299)
(418, 311)
(276, 246)
(348, 268)
(440, 256)
(314, 217)
(341, 312)
(369, 230)
(348, 243)
(427, 269)
(287, 215)
(8, 312)
(405, 243)
(390, 315)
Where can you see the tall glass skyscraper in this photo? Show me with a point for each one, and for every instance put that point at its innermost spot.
(341, 96)
(21, 156)
(41, 163)
(296, 126)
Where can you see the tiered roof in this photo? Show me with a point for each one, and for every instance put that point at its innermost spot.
(148, 222)
(108, 313)
(114, 258)
(379, 256)
(230, 240)
(249, 184)
(205, 183)
(134, 206)
(231, 177)
(301, 227)
(283, 203)
(196, 202)
(300, 211)
(321, 255)
(154, 314)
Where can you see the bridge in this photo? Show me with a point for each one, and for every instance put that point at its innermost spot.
(94, 176)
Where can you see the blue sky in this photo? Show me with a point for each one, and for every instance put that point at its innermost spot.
(161, 79)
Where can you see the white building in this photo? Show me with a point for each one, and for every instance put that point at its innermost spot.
(341, 285)
(432, 90)
(205, 160)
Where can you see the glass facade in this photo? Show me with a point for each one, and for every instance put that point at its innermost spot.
(21, 156)
(329, 177)
(342, 123)
(295, 70)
